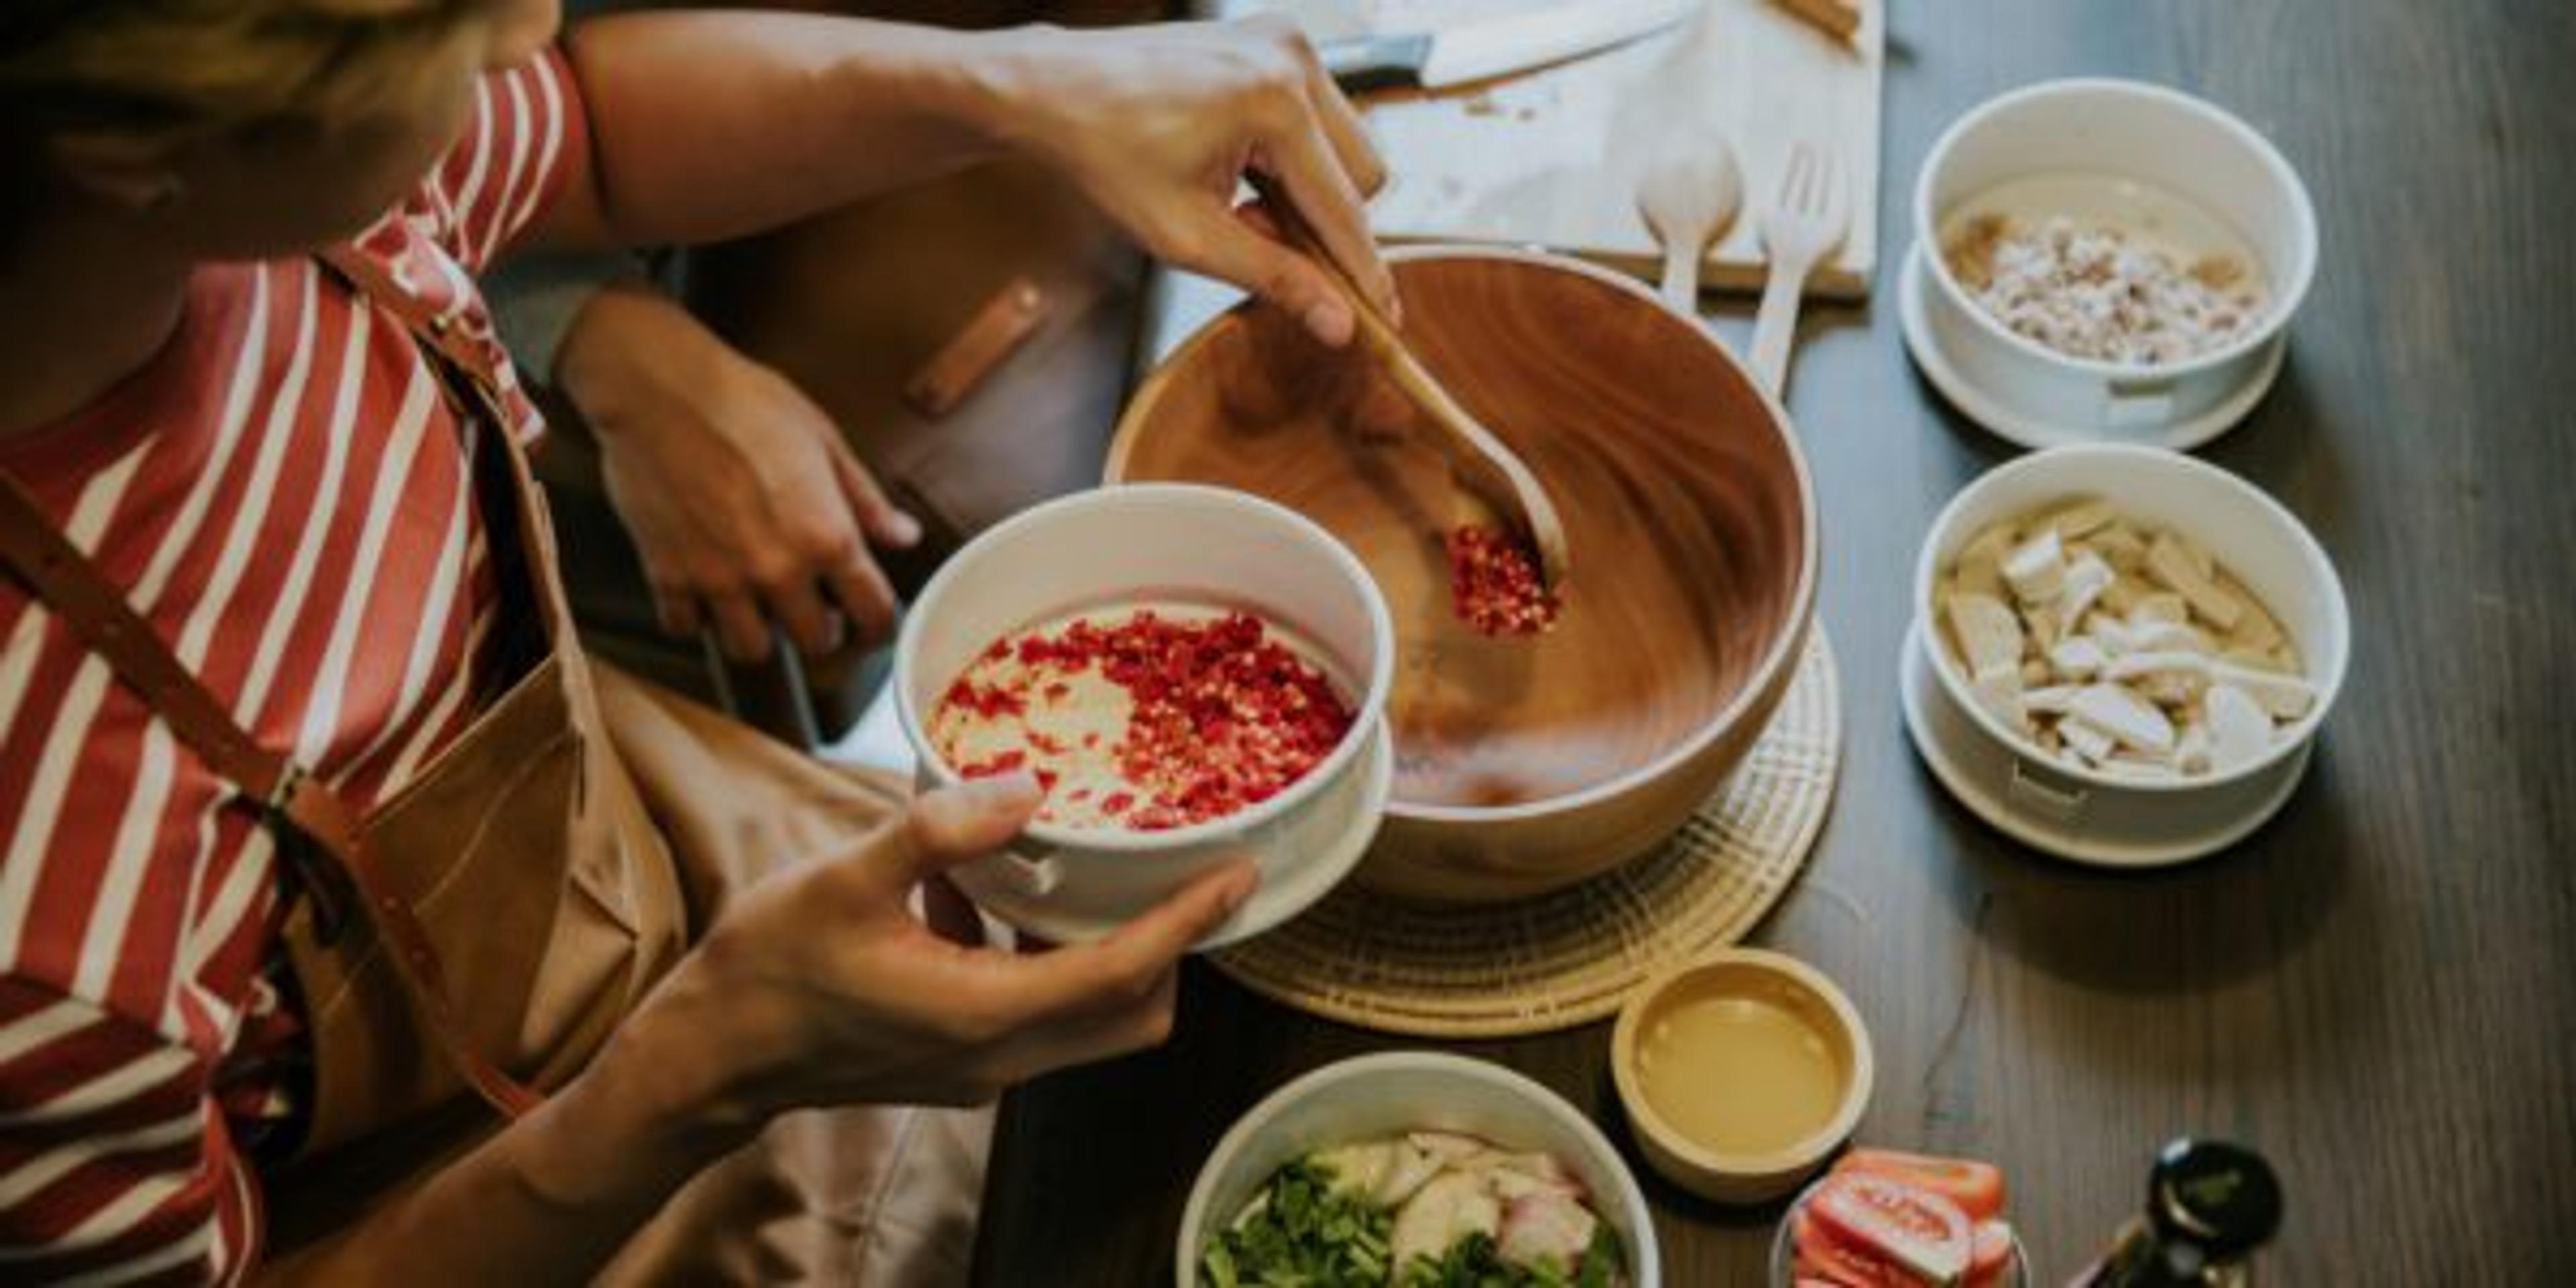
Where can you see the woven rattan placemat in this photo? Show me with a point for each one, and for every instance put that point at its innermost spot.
(1562, 959)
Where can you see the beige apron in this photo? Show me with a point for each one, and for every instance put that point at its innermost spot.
(488, 926)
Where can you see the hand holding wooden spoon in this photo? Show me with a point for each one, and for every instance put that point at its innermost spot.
(1484, 467)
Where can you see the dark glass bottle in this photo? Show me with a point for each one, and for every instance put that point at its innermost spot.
(2209, 1206)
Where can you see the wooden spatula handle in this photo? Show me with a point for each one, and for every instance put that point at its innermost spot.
(1481, 462)
(1374, 330)
(1378, 336)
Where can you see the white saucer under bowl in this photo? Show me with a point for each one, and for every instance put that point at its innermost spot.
(1924, 344)
(1979, 772)
(1275, 901)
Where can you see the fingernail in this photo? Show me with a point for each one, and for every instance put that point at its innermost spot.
(904, 530)
(1239, 887)
(1330, 321)
(1012, 788)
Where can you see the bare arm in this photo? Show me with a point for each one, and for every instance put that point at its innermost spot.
(552, 1197)
(712, 125)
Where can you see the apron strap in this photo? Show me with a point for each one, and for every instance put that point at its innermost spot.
(96, 611)
(452, 352)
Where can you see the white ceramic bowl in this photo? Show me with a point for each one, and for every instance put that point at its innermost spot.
(2080, 813)
(1169, 543)
(2123, 150)
(1399, 1091)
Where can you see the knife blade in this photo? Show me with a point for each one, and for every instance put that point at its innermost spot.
(1483, 50)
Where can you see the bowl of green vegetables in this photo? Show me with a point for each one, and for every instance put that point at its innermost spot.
(1416, 1169)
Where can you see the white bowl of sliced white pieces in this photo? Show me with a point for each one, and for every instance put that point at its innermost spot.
(2120, 654)
(1416, 1167)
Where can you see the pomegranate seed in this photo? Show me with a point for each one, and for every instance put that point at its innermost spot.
(1222, 716)
(1493, 586)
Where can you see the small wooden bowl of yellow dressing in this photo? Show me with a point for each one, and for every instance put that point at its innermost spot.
(1741, 1073)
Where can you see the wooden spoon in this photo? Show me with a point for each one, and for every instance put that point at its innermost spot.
(1485, 469)
(1689, 195)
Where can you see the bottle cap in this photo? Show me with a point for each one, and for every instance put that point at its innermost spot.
(2221, 1197)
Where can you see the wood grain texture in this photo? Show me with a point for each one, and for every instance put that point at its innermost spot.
(1553, 158)
(2379, 988)
(1687, 509)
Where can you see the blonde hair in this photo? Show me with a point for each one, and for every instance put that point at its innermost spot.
(166, 70)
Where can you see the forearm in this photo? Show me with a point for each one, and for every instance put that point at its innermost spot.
(712, 125)
(630, 345)
(551, 1197)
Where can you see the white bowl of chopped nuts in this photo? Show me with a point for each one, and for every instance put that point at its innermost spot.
(2105, 261)
(2121, 654)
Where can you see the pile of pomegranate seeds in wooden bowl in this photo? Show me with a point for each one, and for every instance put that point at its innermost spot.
(1494, 584)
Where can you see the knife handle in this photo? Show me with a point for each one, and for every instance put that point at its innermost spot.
(1362, 63)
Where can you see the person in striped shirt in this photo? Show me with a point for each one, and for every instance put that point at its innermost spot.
(262, 462)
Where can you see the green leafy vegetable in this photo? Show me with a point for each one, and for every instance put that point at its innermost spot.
(1474, 1262)
(1470, 1263)
(1300, 1233)
(1601, 1264)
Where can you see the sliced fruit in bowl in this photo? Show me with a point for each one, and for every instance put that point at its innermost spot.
(1977, 1187)
(1913, 1227)
(1892, 1219)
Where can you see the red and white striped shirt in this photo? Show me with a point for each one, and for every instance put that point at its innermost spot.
(284, 494)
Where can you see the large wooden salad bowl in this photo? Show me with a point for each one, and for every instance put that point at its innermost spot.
(1528, 763)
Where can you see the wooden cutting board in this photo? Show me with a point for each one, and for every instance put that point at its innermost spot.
(1552, 157)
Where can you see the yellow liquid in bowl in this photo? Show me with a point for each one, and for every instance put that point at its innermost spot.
(1739, 1075)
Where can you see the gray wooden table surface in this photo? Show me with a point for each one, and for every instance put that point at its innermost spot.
(2379, 988)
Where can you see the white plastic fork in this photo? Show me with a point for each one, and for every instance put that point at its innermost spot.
(1802, 224)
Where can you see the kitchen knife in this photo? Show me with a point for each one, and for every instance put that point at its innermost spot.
(1477, 51)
